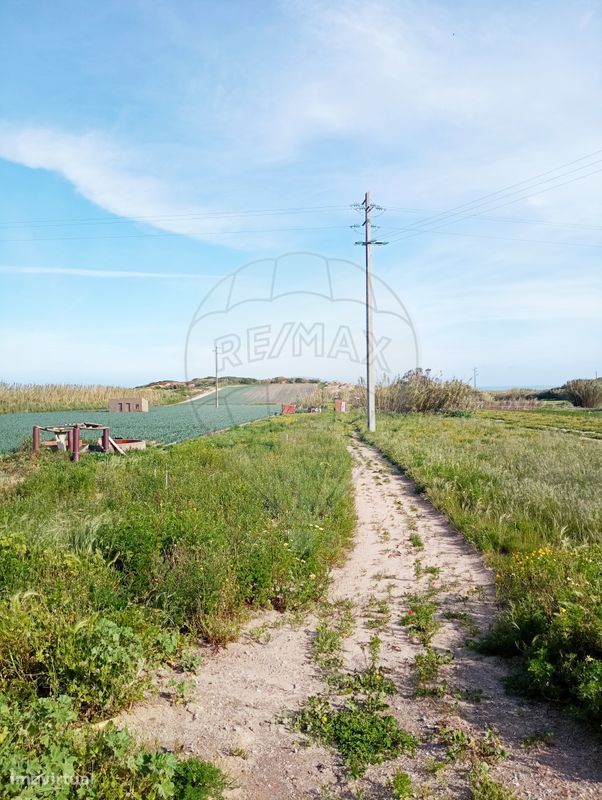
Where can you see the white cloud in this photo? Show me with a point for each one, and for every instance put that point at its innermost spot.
(108, 175)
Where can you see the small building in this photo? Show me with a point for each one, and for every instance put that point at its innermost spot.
(128, 404)
(340, 406)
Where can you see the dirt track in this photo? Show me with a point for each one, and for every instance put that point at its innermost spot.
(235, 715)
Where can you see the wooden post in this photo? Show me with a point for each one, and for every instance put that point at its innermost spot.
(105, 440)
(36, 438)
(75, 452)
(70, 440)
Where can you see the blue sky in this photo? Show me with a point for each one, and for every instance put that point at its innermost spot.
(149, 148)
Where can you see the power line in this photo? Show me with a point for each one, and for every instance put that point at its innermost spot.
(417, 229)
(210, 215)
(511, 220)
(173, 233)
(509, 238)
(505, 189)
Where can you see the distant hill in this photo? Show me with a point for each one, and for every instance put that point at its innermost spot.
(225, 380)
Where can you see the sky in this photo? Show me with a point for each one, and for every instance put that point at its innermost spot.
(179, 176)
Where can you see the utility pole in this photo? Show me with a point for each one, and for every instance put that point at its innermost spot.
(475, 372)
(367, 207)
(216, 380)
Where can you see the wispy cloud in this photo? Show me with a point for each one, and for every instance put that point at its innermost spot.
(103, 273)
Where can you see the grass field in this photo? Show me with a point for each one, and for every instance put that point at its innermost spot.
(164, 424)
(106, 567)
(531, 500)
(580, 421)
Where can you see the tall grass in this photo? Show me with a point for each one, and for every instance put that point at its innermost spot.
(531, 499)
(18, 397)
(419, 391)
(585, 393)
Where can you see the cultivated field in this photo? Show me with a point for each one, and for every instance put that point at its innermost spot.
(279, 392)
(165, 424)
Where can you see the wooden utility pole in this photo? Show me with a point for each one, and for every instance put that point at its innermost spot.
(367, 207)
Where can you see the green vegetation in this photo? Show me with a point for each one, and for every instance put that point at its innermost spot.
(416, 541)
(428, 664)
(106, 567)
(480, 750)
(483, 787)
(359, 731)
(166, 424)
(402, 786)
(420, 617)
(336, 624)
(585, 423)
(531, 499)
(43, 754)
(377, 613)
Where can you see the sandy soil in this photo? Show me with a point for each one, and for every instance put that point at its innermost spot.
(236, 714)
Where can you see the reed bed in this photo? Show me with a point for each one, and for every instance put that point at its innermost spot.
(18, 397)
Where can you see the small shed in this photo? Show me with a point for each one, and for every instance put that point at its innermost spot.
(289, 408)
(340, 406)
(128, 404)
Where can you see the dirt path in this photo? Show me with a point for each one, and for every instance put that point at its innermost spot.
(235, 715)
(204, 393)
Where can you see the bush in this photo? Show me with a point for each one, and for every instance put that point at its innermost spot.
(585, 393)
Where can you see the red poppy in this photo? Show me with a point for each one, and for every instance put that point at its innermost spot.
(410, 611)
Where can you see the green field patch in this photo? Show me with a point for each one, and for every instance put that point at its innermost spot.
(163, 424)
